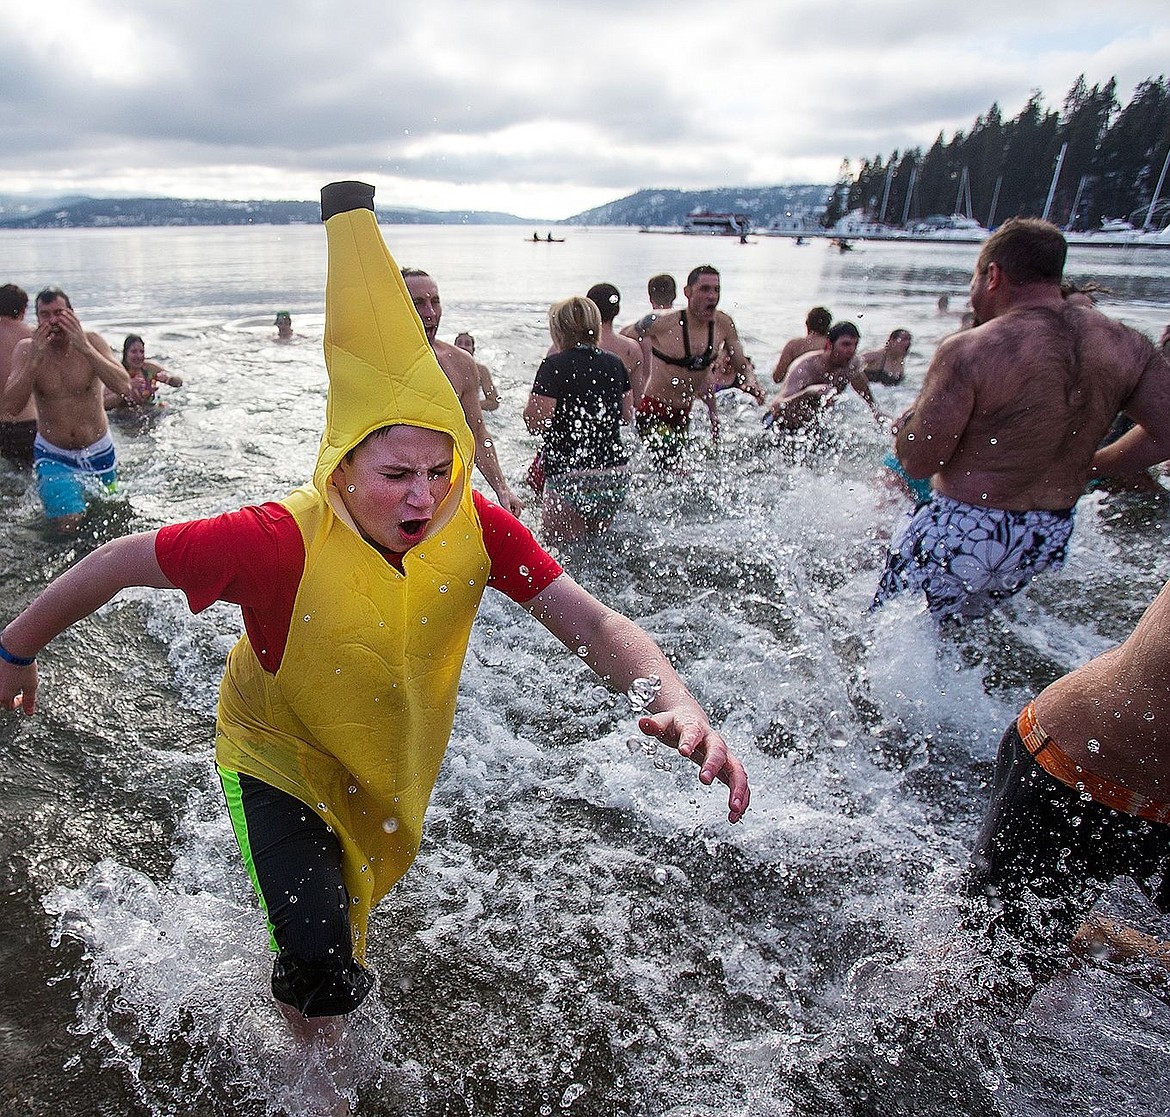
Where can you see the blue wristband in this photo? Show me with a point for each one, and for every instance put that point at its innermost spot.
(16, 660)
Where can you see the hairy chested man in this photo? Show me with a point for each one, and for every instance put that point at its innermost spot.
(1007, 423)
(17, 430)
(460, 369)
(63, 370)
(818, 377)
(816, 336)
(684, 347)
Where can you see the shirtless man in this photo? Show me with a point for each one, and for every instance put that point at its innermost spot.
(662, 291)
(816, 337)
(489, 399)
(63, 370)
(461, 371)
(683, 348)
(608, 300)
(17, 429)
(1007, 423)
(1080, 796)
(816, 378)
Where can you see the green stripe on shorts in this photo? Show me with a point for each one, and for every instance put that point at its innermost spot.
(235, 804)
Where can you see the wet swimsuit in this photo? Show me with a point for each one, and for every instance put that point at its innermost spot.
(663, 429)
(1054, 836)
(594, 494)
(967, 558)
(694, 364)
(67, 479)
(919, 486)
(880, 376)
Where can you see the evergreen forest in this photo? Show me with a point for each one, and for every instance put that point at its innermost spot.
(1112, 165)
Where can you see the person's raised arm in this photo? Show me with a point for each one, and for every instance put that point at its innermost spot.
(171, 379)
(96, 351)
(128, 561)
(620, 652)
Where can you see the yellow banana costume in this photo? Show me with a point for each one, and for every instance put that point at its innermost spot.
(357, 718)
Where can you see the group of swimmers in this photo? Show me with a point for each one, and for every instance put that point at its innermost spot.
(373, 572)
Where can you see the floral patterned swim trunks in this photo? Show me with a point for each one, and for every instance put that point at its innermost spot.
(967, 559)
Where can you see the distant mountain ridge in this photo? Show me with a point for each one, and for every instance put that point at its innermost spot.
(91, 213)
(646, 207)
(671, 207)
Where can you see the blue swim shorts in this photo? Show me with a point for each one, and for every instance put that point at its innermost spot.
(967, 558)
(68, 479)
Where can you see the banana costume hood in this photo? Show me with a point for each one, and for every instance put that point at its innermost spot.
(355, 721)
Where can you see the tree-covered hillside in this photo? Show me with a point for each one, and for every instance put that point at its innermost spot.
(1113, 158)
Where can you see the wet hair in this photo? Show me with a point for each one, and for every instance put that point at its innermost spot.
(661, 289)
(607, 298)
(819, 320)
(844, 329)
(702, 269)
(130, 340)
(1027, 250)
(52, 294)
(575, 321)
(415, 273)
(899, 332)
(13, 301)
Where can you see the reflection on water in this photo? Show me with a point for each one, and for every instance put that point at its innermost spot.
(583, 933)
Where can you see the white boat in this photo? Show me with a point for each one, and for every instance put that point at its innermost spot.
(705, 223)
(952, 227)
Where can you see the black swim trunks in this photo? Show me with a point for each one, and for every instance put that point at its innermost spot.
(1045, 852)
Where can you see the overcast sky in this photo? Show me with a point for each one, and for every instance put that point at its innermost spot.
(537, 107)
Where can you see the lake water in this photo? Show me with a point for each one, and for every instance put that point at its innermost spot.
(582, 932)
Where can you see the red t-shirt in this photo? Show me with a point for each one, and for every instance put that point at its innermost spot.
(255, 557)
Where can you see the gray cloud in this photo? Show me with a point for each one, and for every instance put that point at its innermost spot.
(474, 103)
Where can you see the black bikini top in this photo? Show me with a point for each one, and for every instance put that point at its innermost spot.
(693, 364)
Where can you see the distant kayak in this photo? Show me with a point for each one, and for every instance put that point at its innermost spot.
(545, 240)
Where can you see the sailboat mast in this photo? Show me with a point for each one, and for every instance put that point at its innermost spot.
(1055, 177)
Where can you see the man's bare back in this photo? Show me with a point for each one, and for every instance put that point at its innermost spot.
(794, 348)
(1011, 413)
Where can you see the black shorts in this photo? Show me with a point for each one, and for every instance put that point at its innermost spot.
(294, 861)
(1044, 854)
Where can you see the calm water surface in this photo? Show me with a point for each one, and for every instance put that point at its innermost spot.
(582, 933)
